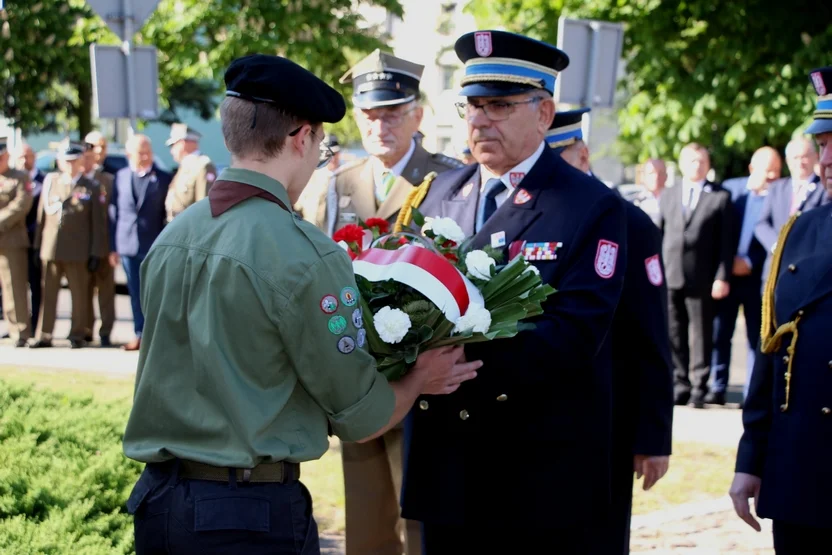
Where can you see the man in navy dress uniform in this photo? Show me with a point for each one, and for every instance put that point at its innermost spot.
(642, 384)
(783, 456)
(502, 464)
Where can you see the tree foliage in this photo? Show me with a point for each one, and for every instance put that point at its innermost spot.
(731, 75)
(48, 88)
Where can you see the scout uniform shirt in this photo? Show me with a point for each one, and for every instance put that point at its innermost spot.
(15, 202)
(191, 183)
(72, 224)
(352, 191)
(253, 342)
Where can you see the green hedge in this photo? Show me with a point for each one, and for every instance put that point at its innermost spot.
(64, 479)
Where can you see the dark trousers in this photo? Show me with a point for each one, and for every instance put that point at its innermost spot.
(35, 288)
(612, 537)
(505, 538)
(794, 539)
(183, 516)
(691, 313)
(132, 266)
(745, 292)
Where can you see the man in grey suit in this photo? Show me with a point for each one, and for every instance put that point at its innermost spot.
(801, 191)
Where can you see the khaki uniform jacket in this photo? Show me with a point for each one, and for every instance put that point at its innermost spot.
(351, 193)
(105, 193)
(191, 183)
(72, 224)
(15, 202)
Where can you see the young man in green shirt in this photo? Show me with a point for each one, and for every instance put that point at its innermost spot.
(240, 375)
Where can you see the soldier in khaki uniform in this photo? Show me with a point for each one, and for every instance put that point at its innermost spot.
(15, 201)
(103, 280)
(71, 227)
(311, 203)
(388, 114)
(196, 172)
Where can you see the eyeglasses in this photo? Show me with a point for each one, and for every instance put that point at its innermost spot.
(392, 119)
(495, 111)
(325, 154)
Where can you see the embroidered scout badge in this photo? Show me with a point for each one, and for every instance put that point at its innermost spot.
(337, 324)
(346, 345)
(348, 296)
(522, 197)
(541, 251)
(361, 338)
(329, 304)
(605, 258)
(357, 319)
(482, 43)
(654, 270)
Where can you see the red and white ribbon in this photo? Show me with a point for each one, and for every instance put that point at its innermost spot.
(426, 272)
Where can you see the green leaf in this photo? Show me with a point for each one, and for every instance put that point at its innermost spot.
(374, 343)
(417, 217)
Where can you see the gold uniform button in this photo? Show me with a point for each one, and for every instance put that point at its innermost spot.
(503, 397)
(463, 414)
(423, 405)
(792, 268)
(785, 360)
(826, 411)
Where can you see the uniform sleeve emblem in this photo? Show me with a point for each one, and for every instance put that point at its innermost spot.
(654, 270)
(605, 258)
(346, 345)
(349, 296)
(522, 196)
(329, 304)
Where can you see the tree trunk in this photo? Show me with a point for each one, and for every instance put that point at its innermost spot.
(84, 109)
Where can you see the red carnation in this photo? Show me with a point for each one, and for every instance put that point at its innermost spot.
(448, 244)
(402, 241)
(351, 233)
(452, 257)
(380, 223)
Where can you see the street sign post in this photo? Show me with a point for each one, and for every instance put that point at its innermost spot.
(110, 99)
(124, 17)
(594, 49)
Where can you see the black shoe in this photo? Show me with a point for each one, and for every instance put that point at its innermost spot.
(20, 343)
(75, 344)
(698, 403)
(105, 341)
(681, 400)
(40, 344)
(715, 398)
(88, 338)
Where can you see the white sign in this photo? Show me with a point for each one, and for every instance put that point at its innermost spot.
(109, 82)
(594, 50)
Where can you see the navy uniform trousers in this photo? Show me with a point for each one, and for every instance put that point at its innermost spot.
(184, 516)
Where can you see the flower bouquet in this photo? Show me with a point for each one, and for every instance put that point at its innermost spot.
(419, 292)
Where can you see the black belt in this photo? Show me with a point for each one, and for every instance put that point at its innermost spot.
(277, 472)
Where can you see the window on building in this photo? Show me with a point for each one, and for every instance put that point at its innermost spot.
(446, 77)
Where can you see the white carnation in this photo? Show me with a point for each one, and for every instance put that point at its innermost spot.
(426, 227)
(391, 324)
(476, 319)
(448, 229)
(479, 264)
(532, 268)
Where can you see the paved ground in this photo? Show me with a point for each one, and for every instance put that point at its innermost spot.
(696, 529)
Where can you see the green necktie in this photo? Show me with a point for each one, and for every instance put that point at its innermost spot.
(387, 180)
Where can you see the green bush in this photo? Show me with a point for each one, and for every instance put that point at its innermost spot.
(64, 479)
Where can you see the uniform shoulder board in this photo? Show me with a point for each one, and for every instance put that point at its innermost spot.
(451, 163)
(350, 166)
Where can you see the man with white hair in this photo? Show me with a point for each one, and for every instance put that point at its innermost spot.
(801, 191)
(137, 216)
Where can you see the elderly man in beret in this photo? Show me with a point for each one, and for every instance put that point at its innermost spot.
(240, 378)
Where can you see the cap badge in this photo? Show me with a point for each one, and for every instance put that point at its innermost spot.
(482, 43)
(817, 79)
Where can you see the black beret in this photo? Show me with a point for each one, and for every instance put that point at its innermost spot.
(285, 85)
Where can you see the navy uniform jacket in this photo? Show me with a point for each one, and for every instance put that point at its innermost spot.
(642, 367)
(513, 444)
(791, 451)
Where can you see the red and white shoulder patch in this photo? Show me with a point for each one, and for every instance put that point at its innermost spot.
(606, 258)
(654, 270)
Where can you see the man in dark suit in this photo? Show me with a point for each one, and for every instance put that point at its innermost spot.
(538, 394)
(26, 163)
(698, 248)
(748, 195)
(802, 191)
(137, 217)
(642, 379)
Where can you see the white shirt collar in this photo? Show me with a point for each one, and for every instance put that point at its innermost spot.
(697, 184)
(398, 167)
(523, 168)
